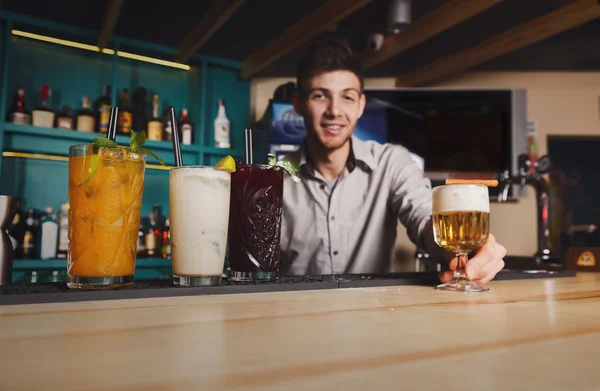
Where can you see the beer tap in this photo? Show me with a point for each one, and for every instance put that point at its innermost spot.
(530, 173)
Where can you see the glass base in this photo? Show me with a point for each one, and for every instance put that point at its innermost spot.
(196, 281)
(91, 283)
(462, 284)
(252, 276)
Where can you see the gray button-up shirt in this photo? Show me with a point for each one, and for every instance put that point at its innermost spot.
(349, 226)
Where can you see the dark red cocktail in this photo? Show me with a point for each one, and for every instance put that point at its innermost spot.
(255, 222)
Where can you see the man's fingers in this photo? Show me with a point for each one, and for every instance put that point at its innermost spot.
(484, 256)
(453, 264)
(490, 272)
(446, 276)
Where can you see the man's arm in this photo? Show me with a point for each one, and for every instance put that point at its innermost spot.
(411, 201)
(410, 195)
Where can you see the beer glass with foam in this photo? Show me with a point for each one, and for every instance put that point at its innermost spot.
(461, 224)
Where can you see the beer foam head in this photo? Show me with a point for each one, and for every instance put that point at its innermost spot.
(454, 198)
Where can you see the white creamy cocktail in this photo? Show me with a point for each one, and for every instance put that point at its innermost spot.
(199, 214)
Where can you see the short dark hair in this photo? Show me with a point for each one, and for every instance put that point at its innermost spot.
(327, 55)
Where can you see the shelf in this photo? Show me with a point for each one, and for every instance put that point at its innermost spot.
(83, 137)
(219, 151)
(29, 264)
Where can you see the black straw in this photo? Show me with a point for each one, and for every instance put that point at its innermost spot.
(112, 123)
(248, 145)
(175, 133)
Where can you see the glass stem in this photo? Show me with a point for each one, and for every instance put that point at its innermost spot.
(460, 268)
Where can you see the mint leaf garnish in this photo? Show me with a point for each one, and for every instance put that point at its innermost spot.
(103, 142)
(137, 140)
(149, 152)
(135, 145)
(286, 165)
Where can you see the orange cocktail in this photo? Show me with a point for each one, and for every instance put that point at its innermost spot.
(105, 194)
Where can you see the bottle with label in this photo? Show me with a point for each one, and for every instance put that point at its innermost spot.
(167, 128)
(166, 240)
(42, 115)
(64, 119)
(222, 139)
(63, 231)
(48, 240)
(141, 242)
(153, 237)
(15, 232)
(85, 118)
(30, 232)
(102, 108)
(125, 120)
(158, 217)
(18, 114)
(155, 125)
(186, 127)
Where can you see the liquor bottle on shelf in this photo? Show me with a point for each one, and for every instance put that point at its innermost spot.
(42, 115)
(141, 242)
(125, 120)
(158, 217)
(153, 237)
(155, 125)
(139, 106)
(30, 232)
(166, 240)
(102, 108)
(48, 238)
(19, 114)
(167, 128)
(222, 127)
(186, 128)
(85, 118)
(64, 119)
(16, 230)
(63, 231)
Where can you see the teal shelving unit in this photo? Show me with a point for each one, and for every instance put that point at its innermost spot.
(40, 179)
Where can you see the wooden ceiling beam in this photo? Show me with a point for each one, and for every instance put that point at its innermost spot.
(565, 18)
(113, 9)
(207, 26)
(439, 20)
(323, 18)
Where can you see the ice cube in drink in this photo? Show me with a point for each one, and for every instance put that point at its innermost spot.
(199, 213)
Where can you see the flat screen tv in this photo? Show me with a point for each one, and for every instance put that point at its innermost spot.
(457, 132)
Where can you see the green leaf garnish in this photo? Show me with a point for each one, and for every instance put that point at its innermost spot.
(137, 140)
(286, 165)
(103, 142)
(149, 152)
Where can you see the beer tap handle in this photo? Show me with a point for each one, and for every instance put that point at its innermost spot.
(505, 182)
(542, 166)
(524, 164)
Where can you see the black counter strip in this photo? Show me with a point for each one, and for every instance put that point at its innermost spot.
(59, 293)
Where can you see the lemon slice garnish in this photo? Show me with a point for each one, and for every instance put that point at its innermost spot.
(226, 164)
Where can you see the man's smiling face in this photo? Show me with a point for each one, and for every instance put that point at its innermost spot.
(331, 105)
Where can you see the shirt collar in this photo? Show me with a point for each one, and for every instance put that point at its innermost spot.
(360, 151)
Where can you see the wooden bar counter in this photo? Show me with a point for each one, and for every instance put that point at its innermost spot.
(521, 335)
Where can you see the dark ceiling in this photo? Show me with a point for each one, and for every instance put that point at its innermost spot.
(256, 22)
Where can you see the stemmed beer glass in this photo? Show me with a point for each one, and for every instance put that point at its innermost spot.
(461, 224)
